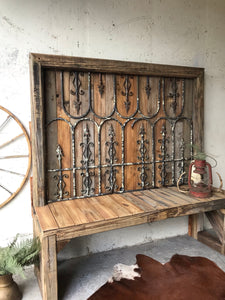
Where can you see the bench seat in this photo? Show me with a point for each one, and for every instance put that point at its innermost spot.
(59, 222)
(73, 218)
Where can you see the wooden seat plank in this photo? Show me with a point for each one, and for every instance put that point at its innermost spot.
(106, 202)
(75, 213)
(101, 209)
(45, 218)
(181, 197)
(153, 201)
(144, 205)
(90, 213)
(61, 215)
(143, 197)
(115, 207)
(171, 197)
(186, 197)
(126, 204)
(153, 194)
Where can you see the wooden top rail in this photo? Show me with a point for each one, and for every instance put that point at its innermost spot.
(72, 218)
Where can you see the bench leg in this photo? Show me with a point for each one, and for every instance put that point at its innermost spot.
(48, 268)
(193, 226)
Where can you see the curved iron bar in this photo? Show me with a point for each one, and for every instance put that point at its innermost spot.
(63, 101)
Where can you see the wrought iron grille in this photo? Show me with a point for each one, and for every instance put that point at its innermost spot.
(119, 133)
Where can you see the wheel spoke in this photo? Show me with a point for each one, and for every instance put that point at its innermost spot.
(12, 172)
(5, 122)
(12, 140)
(13, 156)
(8, 141)
(4, 188)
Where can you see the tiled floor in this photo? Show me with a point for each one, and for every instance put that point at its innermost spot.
(80, 277)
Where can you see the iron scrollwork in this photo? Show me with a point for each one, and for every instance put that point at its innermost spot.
(148, 87)
(60, 193)
(111, 160)
(101, 86)
(174, 94)
(163, 156)
(127, 93)
(77, 90)
(112, 169)
(86, 161)
(144, 157)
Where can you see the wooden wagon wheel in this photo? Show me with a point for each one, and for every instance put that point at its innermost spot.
(17, 140)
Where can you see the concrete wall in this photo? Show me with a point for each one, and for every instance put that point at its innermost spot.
(178, 32)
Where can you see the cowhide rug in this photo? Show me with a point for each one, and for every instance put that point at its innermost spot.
(182, 278)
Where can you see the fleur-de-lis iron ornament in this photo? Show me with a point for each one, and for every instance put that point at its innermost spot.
(101, 86)
(127, 92)
(163, 156)
(86, 162)
(148, 87)
(77, 89)
(111, 160)
(60, 193)
(144, 157)
(174, 94)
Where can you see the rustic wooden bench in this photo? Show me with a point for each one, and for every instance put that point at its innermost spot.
(109, 142)
(61, 221)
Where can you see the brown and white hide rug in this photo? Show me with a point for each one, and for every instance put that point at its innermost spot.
(182, 278)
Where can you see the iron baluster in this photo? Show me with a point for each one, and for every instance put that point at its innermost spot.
(144, 157)
(86, 161)
(123, 159)
(61, 183)
(99, 160)
(182, 148)
(111, 160)
(173, 152)
(163, 156)
(73, 161)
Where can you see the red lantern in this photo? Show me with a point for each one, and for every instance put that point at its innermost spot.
(203, 188)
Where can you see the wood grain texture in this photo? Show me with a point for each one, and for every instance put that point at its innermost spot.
(46, 218)
(48, 268)
(198, 112)
(96, 214)
(78, 84)
(217, 221)
(210, 240)
(38, 158)
(193, 226)
(114, 66)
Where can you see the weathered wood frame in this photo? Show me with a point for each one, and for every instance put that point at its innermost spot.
(38, 62)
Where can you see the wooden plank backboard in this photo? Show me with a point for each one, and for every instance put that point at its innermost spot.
(101, 126)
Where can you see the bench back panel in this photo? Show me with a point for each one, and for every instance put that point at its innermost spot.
(107, 130)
